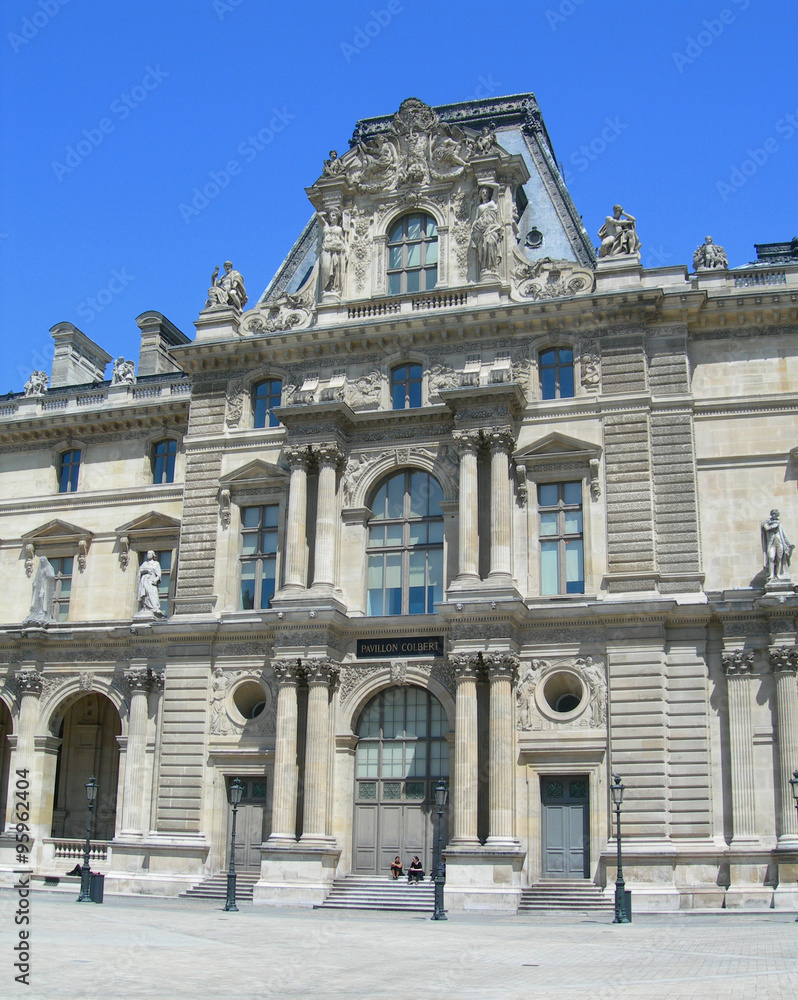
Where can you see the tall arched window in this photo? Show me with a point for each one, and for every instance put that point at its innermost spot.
(266, 396)
(405, 546)
(412, 254)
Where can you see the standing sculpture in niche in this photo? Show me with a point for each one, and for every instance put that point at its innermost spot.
(486, 234)
(148, 597)
(333, 246)
(777, 548)
(228, 290)
(43, 596)
(618, 234)
(709, 255)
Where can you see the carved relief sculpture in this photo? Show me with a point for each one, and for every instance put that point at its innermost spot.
(43, 596)
(228, 291)
(618, 235)
(777, 549)
(709, 256)
(333, 247)
(550, 279)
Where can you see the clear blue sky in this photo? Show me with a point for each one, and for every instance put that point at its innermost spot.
(171, 91)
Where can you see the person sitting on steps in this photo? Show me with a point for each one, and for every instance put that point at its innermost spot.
(415, 872)
(396, 867)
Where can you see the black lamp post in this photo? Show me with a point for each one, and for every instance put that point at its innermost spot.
(85, 872)
(617, 789)
(236, 790)
(441, 795)
(794, 787)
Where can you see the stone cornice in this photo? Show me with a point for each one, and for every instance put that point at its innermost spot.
(120, 496)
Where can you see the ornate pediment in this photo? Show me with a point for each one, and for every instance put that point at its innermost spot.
(56, 532)
(547, 278)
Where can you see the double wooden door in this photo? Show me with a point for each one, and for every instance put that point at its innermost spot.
(566, 826)
(251, 821)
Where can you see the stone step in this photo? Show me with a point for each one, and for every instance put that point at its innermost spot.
(561, 894)
(215, 887)
(364, 892)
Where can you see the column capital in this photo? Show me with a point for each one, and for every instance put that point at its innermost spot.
(500, 439)
(328, 453)
(783, 658)
(297, 458)
(738, 662)
(501, 665)
(466, 666)
(139, 679)
(321, 672)
(29, 681)
(466, 441)
(287, 671)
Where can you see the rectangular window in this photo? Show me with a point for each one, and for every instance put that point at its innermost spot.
(562, 568)
(258, 556)
(63, 586)
(164, 454)
(68, 470)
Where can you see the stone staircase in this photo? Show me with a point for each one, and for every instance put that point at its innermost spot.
(216, 887)
(365, 892)
(576, 896)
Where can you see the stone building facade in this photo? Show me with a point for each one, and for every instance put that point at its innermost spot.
(460, 497)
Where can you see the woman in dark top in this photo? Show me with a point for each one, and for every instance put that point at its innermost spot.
(415, 872)
(396, 867)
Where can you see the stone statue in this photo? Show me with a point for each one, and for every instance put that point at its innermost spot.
(376, 165)
(618, 234)
(777, 548)
(228, 290)
(124, 372)
(148, 596)
(220, 723)
(333, 247)
(43, 596)
(37, 383)
(709, 255)
(486, 233)
(333, 166)
(485, 143)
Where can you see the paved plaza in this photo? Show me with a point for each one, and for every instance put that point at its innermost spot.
(135, 947)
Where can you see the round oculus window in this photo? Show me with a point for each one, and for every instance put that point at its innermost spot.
(249, 699)
(564, 695)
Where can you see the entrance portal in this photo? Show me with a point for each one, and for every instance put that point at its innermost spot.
(250, 824)
(401, 754)
(566, 836)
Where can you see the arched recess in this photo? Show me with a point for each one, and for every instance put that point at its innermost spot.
(6, 730)
(438, 465)
(88, 723)
(402, 752)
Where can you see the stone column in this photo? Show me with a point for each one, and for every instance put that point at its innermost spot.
(466, 767)
(296, 528)
(468, 565)
(784, 661)
(329, 457)
(500, 442)
(284, 789)
(32, 754)
(134, 822)
(502, 668)
(317, 749)
(738, 666)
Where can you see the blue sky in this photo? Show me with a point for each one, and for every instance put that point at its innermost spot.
(686, 112)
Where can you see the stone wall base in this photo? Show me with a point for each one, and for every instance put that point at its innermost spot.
(295, 875)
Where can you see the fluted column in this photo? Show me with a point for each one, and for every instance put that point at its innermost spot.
(320, 673)
(296, 527)
(502, 668)
(738, 666)
(38, 767)
(329, 457)
(466, 766)
(139, 681)
(784, 661)
(500, 443)
(284, 791)
(468, 563)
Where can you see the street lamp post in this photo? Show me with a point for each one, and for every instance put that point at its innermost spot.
(441, 795)
(85, 872)
(794, 787)
(236, 790)
(617, 790)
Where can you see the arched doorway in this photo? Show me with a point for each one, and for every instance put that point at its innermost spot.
(6, 727)
(89, 747)
(401, 753)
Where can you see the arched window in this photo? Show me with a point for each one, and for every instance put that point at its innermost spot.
(163, 461)
(413, 254)
(406, 386)
(557, 373)
(266, 396)
(405, 546)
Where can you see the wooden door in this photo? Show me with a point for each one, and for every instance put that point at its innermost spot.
(565, 827)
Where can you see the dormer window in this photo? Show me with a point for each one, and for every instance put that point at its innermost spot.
(413, 254)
